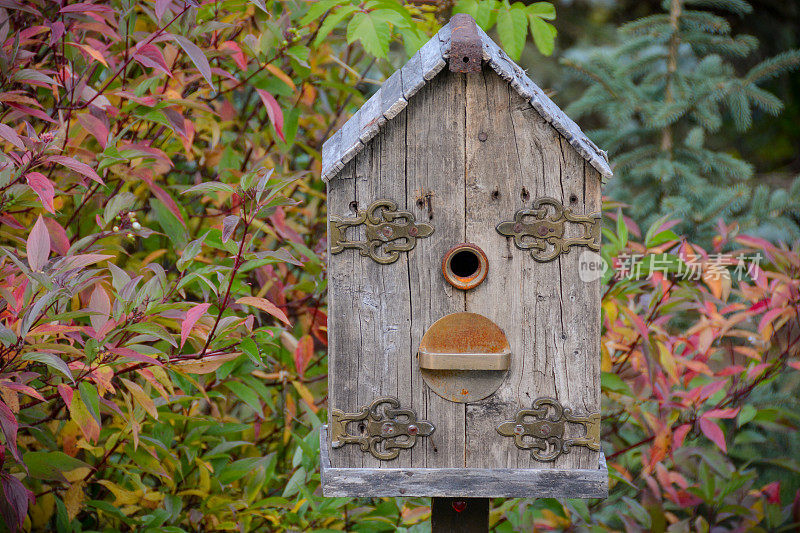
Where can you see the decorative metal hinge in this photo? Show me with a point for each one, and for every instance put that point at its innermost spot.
(388, 232)
(533, 229)
(385, 430)
(546, 434)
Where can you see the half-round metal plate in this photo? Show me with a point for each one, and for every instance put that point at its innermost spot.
(472, 336)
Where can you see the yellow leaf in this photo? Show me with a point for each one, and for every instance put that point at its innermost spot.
(205, 480)
(73, 499)
(42, 511)
(289, 414)
(298, 505)
(91, 51)
(667, 360)
(605, 358)
(77, 474)
(205, 365)
(80, 414)
(122, 496)
(141, 397)
(306, 395)
(281, 75)
(10, 398)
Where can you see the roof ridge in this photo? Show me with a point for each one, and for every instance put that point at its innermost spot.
(393, 96)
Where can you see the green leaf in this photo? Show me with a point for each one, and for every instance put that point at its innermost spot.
(544, 35)
(614, 383)
(173, 227)
(153, 329)
(295, 482)
(543, 10)
(746, 414)
(246, 394)
(373, 32)
(50, 465)
(331, 21)
(248, 346)
(51, 360)
(317, 9)
(512, 26)
(190, 252)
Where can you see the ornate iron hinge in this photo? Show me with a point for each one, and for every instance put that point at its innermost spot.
(546, 434)
(385, 430)
(388, 232)
(533, 229)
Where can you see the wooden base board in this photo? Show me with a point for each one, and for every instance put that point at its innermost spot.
(461, 482)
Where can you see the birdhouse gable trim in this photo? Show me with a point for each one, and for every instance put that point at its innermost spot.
(395, 93)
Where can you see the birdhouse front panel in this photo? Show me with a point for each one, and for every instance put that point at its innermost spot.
(463, 327)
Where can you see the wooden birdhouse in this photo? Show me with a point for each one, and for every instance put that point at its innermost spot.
(464, 308)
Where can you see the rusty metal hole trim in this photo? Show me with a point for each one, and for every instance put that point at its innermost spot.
(471, 281)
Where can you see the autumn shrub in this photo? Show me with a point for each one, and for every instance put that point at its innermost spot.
(163, 326)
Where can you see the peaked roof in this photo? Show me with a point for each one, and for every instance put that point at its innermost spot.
(395, 93)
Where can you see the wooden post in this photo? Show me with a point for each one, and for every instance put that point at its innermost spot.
(465, 515)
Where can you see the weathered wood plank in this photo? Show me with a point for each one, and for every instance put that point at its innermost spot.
(331, 156)
(461, 482)
(344, 342)
(431, 58)
(413, 80)
(435, 185)
(370, 118)
(494, 180)
(569, 354)
(350, 143)
(392, 99)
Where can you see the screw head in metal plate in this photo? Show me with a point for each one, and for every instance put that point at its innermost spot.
(387, 428)
(412, 429)
(519, 429)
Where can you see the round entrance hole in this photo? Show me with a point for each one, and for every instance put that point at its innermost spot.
(465, 266)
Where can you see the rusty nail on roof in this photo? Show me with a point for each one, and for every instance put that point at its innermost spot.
(466, 48)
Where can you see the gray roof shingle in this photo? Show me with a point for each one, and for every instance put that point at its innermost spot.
(395, 93)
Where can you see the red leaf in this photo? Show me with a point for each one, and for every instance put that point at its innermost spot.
(236, 54)
(38, 246)
(161, 7)
(8, 423)
(133, 354)
(96, 127)
(17, 499)
(56, 31)
(43, 189)
(303, 354)
(266, 306)
(150, 56)
(11, 136)
(795, 365)
(679, 435)
(77, 166)
(165, 198)
(84, 7)
(59, 242)
(24, 389)
(721, 413)
(100, 306)
(279, 222)
(773, 492)
(197, 56)
(273, 111)
(66, 394)
(714, 433)
(192, 316)
(30, 111)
